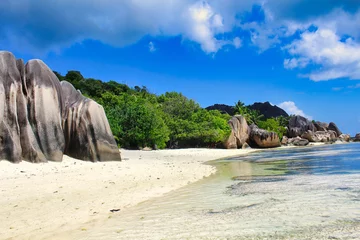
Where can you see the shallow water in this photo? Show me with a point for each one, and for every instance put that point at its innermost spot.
(297, 193)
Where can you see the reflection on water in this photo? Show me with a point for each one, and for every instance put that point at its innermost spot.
(326, 160)
(299, 193)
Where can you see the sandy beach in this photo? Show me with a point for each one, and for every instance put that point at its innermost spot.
(39, 200)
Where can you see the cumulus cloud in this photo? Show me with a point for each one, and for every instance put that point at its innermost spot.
(203, 25)
(291, 108)
(333, 49)
(46, 25)
(339, 58)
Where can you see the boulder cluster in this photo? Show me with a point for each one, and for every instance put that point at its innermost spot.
(41, 119)
(242, 135)
(300, 132)
(304, 130)
(357, 138)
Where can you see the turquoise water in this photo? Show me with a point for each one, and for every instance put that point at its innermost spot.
(325, 160)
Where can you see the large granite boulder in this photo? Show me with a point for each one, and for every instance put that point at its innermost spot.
(10, 97)
(86, 128)
(239, 132)
(263, 139)
(43, 94)
(298, 141)
(17, 138)
(319, 136)
(284, 140)
(321, 126)
(357, 137)
(332, 126)
(299, 125)
(345, 137)
(34, 112)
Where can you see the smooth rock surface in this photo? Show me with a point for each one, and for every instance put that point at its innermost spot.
(321, 126)
(40, 120)
(262, 138)
(284, 140)
(332, 126)
(319, 136)
(345, 137)
(45, 108)
(298, 141)
(86, 129)
(299, 125)
(357, 137)
(239, 132)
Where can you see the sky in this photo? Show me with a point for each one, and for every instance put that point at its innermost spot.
(302, 55)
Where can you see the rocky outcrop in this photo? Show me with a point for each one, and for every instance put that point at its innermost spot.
(332, 126)
(298, 125)
(284, 140)
(345, 137)
(40, 118)
(239, 132)
(320, 126)
(357, 138)
(268, 110)
(262, 138)
(319, 136)
(45, 106)
(86, 128)
(298, 141)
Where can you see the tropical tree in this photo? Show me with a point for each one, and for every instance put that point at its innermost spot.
(251, 116)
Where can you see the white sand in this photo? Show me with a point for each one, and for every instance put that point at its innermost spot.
(40, 200)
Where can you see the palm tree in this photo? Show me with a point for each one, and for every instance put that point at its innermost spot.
(251, 116)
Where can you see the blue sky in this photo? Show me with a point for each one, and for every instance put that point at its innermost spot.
(301, 55)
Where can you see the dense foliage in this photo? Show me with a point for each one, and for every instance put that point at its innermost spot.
(273, 125)
(140, 119)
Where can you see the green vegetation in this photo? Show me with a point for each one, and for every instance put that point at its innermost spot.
(273, 125)
(141, 119)
(251, 116)
(277, 125)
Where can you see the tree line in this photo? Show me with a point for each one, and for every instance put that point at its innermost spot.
(139, 118)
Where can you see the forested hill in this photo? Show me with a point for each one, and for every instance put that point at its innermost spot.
(141, 119)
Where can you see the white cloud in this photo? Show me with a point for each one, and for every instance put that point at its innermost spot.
(204, 23)
(291, 108)
(295, 62)
(237, 42)
(152, 47)
(118, 23)
(338, 58)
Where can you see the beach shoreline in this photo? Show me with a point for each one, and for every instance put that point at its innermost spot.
(53, 197)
